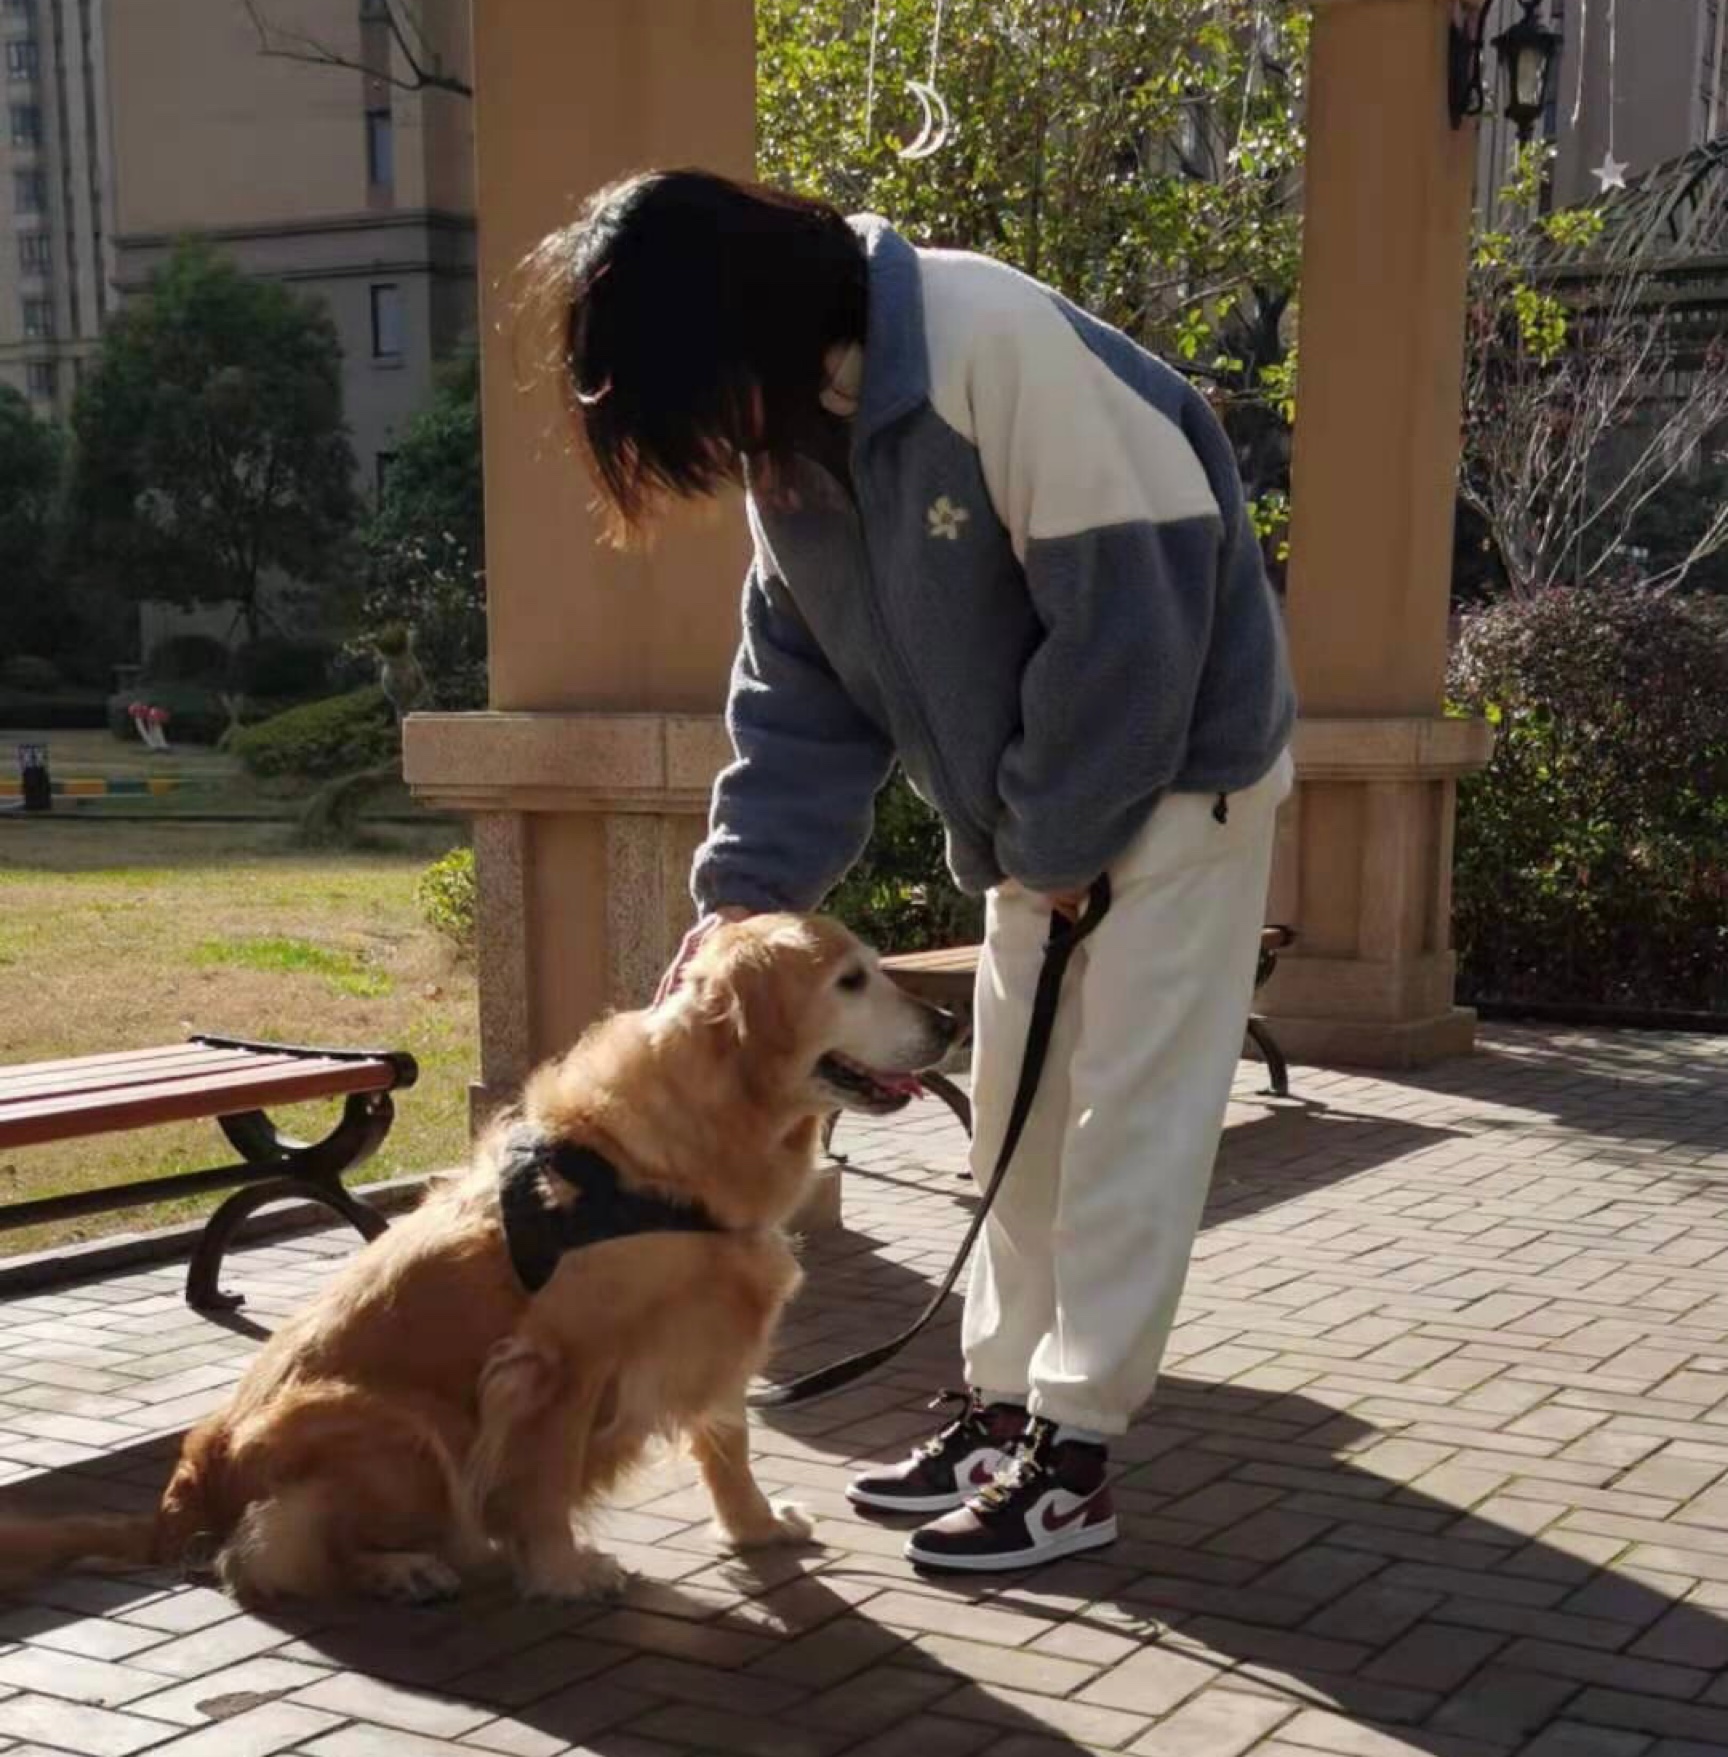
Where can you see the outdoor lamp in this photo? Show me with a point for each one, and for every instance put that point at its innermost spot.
(1529, 53)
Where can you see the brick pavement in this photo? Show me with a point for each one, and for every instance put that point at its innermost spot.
(1440, 1466)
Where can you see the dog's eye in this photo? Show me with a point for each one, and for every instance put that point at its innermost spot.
(853, 980)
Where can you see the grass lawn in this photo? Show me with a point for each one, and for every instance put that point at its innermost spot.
(122, 935)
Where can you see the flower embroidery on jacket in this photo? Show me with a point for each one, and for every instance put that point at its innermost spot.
(945, 518)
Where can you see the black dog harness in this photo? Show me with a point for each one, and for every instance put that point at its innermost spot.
(538, 1233)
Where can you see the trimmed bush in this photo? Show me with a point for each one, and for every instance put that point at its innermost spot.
(1592, 854)
(26, 672)
(61, 711)
(195, 714)
(280, 670)
(446, 895)
(187, 658)
(322, 739)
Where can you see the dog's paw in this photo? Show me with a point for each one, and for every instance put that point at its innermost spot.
(582, 1574)
(791, 1524)
(407, 1577)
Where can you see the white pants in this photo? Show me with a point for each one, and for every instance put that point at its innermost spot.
(1081, 1264)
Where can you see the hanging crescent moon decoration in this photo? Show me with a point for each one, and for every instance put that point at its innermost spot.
(933, 132)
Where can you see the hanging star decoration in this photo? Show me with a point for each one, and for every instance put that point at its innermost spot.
(1611, 173)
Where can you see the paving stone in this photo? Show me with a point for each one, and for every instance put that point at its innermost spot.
(357, 1698)
(1217, 1723)
(77, 1727)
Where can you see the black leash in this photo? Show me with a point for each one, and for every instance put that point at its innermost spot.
(1059, 948)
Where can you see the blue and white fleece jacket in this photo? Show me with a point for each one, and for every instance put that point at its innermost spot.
(1042, 593)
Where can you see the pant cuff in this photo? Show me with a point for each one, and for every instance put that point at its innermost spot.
(1065, 1411)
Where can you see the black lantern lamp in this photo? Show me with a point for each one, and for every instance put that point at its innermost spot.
(1529, 54)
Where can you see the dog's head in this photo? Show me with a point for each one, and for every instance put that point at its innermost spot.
(814, 1023)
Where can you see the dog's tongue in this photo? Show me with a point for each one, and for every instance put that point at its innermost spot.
(901, 1085)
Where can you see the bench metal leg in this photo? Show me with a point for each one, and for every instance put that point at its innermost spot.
(940, 1086)
(307, 1172)
(829, 1124)
(1277, 1069)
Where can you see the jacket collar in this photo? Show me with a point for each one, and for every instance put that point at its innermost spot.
(896, 362)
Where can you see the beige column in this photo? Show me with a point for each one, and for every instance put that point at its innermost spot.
(1364, 865)
(588, 778)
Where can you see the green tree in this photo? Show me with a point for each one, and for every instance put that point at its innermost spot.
(426, 546)
(1142, 156)
(210, 447)
(32, 617)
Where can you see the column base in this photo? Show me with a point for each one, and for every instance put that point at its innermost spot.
(1363, 872)
(822, 1208)
(1356, 1043)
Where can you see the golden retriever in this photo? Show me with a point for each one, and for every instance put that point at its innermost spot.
(427, 1418)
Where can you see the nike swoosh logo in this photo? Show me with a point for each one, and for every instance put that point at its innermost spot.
(981, 1475)
(1054, 1521)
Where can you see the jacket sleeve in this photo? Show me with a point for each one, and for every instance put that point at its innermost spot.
(1113, 516)
(794, 809)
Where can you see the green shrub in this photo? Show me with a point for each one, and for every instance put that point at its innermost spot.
(187, 658)
(445, 893)
(321, 739)
(25, 671)
(62, 711)
(277, 669)
(900, 897)
(1592, 853)
(195, 713)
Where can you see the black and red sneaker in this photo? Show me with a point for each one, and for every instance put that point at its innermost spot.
(955, 1463)
(1047, 1500)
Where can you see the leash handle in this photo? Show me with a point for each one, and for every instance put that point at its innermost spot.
(1065, 938)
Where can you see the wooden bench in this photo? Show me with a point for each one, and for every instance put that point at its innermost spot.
(230, 1080)
(946, 977)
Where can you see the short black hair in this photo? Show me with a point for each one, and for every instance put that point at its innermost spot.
(695, 313)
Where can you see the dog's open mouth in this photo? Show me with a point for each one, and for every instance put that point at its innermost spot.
(868, 1088)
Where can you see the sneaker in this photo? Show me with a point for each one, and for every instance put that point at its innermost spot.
(957, 1462)
(1046, 1501)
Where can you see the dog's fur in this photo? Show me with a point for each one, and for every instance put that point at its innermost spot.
(425, 1418)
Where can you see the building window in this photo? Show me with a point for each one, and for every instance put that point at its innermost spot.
(387, 325)
(39, 378)
(29, 192)
(26, 7)
(22, 59)
(380, 149)
(38, 319)
(34, 254)
(26, 125)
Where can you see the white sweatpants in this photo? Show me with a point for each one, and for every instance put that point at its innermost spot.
(1082, 1261)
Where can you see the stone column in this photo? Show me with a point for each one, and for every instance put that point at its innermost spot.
(588, 777)
(1364, 865)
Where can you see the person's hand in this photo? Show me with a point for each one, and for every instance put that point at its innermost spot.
(692, 941)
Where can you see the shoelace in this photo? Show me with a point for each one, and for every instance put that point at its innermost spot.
(1029, 1458)
(971, 1409)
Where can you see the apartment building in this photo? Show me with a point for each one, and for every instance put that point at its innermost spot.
(56, 255)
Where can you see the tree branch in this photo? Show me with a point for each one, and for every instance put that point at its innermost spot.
(425, 71)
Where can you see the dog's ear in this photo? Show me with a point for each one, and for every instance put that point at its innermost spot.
(715, 1004)
(763, 980)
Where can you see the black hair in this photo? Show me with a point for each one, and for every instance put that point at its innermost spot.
(695, 314)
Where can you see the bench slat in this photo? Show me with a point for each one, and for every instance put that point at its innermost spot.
(39, 1120)
(109, 1058)
(103, 1074)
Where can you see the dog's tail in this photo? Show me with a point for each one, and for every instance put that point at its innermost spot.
(31, 1548)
